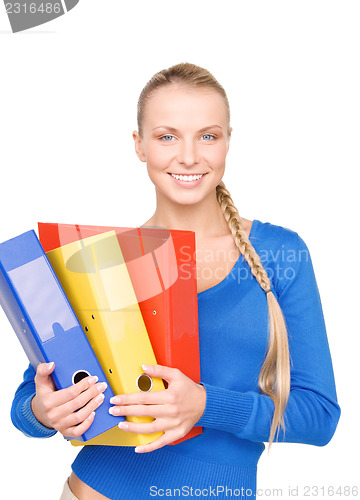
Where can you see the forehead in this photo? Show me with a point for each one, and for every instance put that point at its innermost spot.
(183, 106)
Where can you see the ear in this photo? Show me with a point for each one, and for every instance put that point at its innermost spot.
(228, 141)
(138, 147)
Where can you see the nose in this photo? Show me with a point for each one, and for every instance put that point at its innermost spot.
(188, 154)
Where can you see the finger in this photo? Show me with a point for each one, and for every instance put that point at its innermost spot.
(42, 380)
(78, 430)
(163, 440)
(83, 398)
(146, 398)
(65, 395)
(143, 428)
(154, 411)
(81, 415)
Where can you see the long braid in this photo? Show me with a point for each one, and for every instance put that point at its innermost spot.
(242, 241)
(274, 378)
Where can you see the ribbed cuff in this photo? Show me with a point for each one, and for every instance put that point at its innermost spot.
(225, 410)
(31, 422)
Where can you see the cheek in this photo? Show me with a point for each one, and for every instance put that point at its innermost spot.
(217, 156)
(157, 156)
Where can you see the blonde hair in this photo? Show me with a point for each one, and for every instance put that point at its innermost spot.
(274, 377)
(181, 74)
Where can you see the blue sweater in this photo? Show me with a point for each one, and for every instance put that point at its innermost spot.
(233, 330)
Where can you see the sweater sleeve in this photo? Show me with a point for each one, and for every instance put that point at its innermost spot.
(21, 413)
(312, 412)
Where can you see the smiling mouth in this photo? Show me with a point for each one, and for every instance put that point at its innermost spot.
(187, 178)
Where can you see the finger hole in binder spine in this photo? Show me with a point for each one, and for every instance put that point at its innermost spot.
(79, 375)
(144, 383)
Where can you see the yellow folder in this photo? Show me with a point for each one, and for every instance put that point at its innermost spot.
(95, 279)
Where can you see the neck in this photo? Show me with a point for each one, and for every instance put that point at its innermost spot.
(205, 218)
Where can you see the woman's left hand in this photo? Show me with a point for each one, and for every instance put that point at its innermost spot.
(175, 409)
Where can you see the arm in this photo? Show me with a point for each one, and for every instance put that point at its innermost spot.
(312, 412)
(22, 415)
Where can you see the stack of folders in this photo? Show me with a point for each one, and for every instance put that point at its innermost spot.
(125, 291)
(129, 288)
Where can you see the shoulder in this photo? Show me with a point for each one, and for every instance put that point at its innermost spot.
(269, 235)
(281, 251)
(266, 236)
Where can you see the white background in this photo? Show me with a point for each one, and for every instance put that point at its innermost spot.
(68, 94)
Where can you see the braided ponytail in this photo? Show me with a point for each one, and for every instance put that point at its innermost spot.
(274, 378)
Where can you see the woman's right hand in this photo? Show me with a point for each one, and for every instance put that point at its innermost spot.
(58, 409)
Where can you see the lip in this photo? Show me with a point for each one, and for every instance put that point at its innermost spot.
(187, 184)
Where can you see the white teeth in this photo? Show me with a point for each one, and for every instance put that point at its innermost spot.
(187, 178)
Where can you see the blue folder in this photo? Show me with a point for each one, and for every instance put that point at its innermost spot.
(45, 323)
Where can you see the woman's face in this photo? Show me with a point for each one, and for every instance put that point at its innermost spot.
(185, 133)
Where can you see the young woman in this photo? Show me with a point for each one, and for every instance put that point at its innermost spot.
(266, 371)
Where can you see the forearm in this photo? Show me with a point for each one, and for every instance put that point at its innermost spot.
(310, 418)
(22, 415)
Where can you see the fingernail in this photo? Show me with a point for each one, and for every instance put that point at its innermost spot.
(91, 416)
(49, 366)
(102, 387)
(115, 400)
(99, 398)
(123, 426)
(139, 449)
(111, 411)
(144, 367)
(93, 380)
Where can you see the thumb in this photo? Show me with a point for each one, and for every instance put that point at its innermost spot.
(43, 380)
(164, 372)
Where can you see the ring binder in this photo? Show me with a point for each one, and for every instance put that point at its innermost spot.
(45, 323)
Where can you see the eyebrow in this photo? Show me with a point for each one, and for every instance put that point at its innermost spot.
(174, 130)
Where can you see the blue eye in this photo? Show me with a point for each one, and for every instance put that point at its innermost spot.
(208, 136)
(167, 137)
